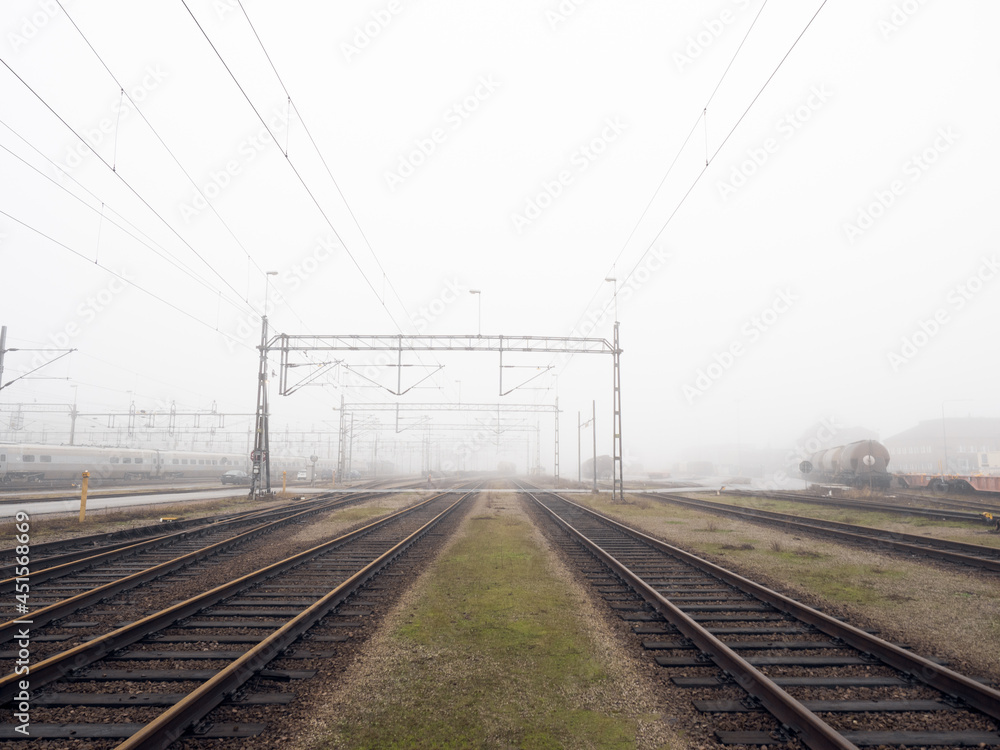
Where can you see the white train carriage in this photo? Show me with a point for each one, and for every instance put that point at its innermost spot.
(66, 462)
(20, 463)
(199, 465)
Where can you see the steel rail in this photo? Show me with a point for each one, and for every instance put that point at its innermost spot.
(943, 515)
(813, 731)
(82, 559)
(974, 694)
(120, 539)
(172, 723)
(987, 558)
(56, 610)
(58, 665)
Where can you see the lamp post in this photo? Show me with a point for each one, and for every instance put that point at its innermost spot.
(579, 428)
(944, 432)
(267, 288)
(479, 317)
(614, 282)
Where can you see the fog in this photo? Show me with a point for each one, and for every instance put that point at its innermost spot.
(796, 203)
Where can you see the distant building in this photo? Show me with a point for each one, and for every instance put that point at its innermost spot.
(951, 446)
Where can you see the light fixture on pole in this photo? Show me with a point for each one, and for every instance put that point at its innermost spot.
(614, 281)
(479, 296)
(267, 288)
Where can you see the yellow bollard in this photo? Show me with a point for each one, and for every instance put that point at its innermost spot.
(83, 495)
(284, 481)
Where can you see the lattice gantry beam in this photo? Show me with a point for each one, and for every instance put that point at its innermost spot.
(384, 343)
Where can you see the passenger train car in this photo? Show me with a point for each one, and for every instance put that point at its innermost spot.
(19, 463)
(864, 463)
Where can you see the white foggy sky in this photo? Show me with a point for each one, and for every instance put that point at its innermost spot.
(871, 95)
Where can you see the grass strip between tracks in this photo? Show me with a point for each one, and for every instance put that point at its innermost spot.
(492, 655)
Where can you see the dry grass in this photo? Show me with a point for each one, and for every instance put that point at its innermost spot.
(59, 525)
(960, 531)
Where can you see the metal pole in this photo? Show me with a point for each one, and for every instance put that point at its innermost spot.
(350, 449)
(594, 428)
(72, 416)
(944, 439)
(3, 350)
(618, 459)
(557, 440)
(579, 464)
(260, 480)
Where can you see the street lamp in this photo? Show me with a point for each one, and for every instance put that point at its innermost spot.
(614, 281)
(267, 288)
(944, 433)
(479, 295)
(579, 427)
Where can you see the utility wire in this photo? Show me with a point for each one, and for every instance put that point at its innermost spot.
(701, 173)
(302, 181)
(176, 161)
(118, 175)
(160, 252)
(726, 139)
(180, 166)
(326, 166)
(702, 117)
(127, 281)
(329, 172)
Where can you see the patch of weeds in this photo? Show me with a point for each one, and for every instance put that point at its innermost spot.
(807, 553)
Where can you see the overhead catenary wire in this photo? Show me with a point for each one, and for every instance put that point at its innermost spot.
(291, 164)
(711, 157)
(326, 166)
(118, 175)
(250, 259)
(160, 252)
(701, 118)
(135, 105)
(386, 280)
(298, 174)
(117, 275)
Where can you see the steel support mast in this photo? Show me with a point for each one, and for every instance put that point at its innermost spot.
(260, 477)
(617, 468)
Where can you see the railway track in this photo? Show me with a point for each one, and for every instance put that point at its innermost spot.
(49, 554)
(972, 555)
(769, 669)
(218, 647)
(69, 587)
(989, 503)
(866, 505)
